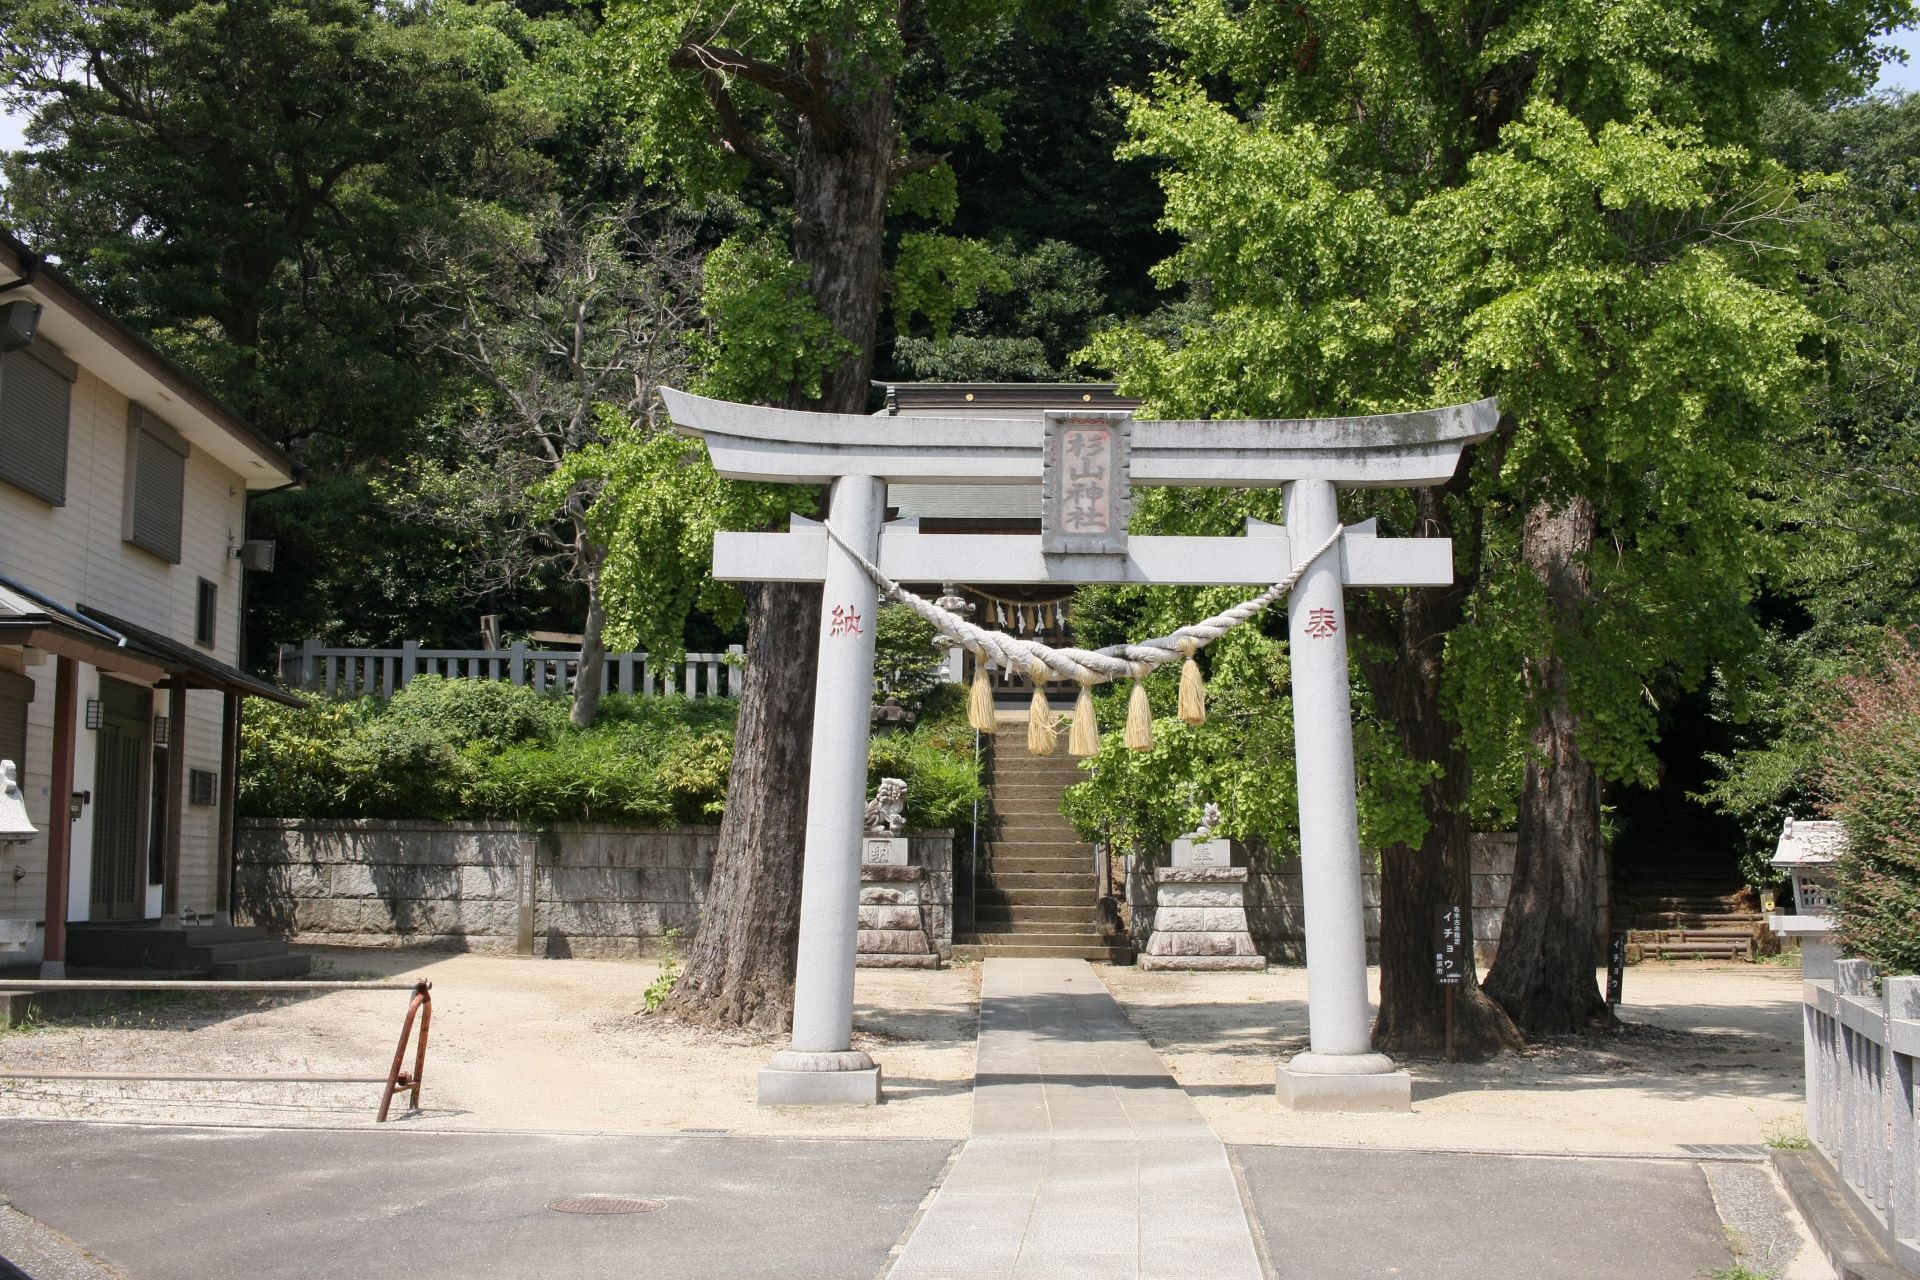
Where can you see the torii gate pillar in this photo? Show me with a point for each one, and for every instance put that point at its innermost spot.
(821, 1065)
(1339, 1072)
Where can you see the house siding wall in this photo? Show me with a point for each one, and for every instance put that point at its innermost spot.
(75, 554)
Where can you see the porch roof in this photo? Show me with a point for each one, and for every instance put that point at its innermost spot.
(201, 671)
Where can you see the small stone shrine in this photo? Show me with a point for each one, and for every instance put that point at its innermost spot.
(893, 916)
(1200, 907)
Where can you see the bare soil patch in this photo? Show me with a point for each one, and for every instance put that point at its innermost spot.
(1707, 1056)
(516, 1043)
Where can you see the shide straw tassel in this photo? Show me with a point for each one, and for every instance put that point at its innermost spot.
(1085, 738)
(1139, 719)
(980, 705)
(1040, 739)
(1193, 688)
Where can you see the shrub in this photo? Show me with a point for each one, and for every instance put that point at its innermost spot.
(1870, 778)
(465, 712)
(466, 749)
(586, 776)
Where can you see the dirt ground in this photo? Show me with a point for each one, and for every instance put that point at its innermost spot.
(516, 1043)
(1709, 1056)
(1712, 1056)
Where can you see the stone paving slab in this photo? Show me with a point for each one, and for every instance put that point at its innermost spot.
(1086, 1160)
(182, 1203)
(1358, 1215)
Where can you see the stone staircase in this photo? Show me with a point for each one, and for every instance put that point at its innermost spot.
(1036, 894)
(235, 953)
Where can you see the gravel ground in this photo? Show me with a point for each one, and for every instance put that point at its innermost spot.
(516, 1043)
(1708, 1057)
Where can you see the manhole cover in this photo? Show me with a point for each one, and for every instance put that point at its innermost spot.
(605, 1204)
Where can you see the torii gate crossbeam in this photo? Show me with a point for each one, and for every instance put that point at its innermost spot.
(1312, 458)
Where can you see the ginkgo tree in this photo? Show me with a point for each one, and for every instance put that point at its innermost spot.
(1389, 207)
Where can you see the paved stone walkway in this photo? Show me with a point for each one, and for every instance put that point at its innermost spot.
(1086, 1159)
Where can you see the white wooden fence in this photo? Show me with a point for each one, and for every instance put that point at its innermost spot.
(348, 673)
(1863, 1043)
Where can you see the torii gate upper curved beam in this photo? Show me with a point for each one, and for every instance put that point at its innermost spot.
(1389, 450)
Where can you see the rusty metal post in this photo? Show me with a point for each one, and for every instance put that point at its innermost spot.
(396, 1078)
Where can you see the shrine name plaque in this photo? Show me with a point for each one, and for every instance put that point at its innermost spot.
(1085, 486)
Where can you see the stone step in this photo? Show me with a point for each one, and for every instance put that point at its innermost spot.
(1018, 788)
(1026, 913)
(256, 968)
(1000, 894)
(226, 952)
(1026, 862)
(1027, 832)
(1050, 936)
(1043, 849)
(1081, 881)
(1026, 768)
(1029, 951)
(1041, 806)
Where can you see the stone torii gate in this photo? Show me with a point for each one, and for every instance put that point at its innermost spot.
(1085, 462)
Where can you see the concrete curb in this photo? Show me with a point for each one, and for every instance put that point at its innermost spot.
(1846, 1241)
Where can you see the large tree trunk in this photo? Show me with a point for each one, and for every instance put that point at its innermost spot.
(1543, 974)
(1411, 630)
(589, 674)
(739, 972)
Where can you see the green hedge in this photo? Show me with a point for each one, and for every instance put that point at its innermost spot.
(467, 749)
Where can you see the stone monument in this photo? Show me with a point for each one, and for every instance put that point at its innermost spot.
(893, 917)
(1200, 907)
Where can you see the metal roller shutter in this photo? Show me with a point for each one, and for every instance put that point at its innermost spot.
(35, 401)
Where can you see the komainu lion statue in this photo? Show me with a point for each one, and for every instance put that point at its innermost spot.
(887, 811)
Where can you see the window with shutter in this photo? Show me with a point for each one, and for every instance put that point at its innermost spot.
(36, 399)
(16, 691)
(156, 485)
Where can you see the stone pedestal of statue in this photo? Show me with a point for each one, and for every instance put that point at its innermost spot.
(1200, 920)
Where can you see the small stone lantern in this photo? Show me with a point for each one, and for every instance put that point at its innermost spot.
(1806, 852)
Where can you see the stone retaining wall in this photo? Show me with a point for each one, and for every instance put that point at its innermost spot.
(569, 890)
(1275, 914)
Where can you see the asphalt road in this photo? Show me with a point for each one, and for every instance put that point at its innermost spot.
(167, 1203)
(264, 1204)
(1413, 1215)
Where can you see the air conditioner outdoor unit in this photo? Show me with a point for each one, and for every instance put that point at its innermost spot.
(257, 554)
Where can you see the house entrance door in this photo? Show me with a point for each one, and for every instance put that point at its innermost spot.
(119, 801)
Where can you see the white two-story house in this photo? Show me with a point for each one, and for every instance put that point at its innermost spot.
(123, 492)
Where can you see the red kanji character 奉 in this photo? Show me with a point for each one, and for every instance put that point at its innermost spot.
(1321, 623)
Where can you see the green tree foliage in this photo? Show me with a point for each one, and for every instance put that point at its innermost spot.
(235, 178)
(1563, 207)
(1869, 767)
(1846, 485)
(241, 181)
